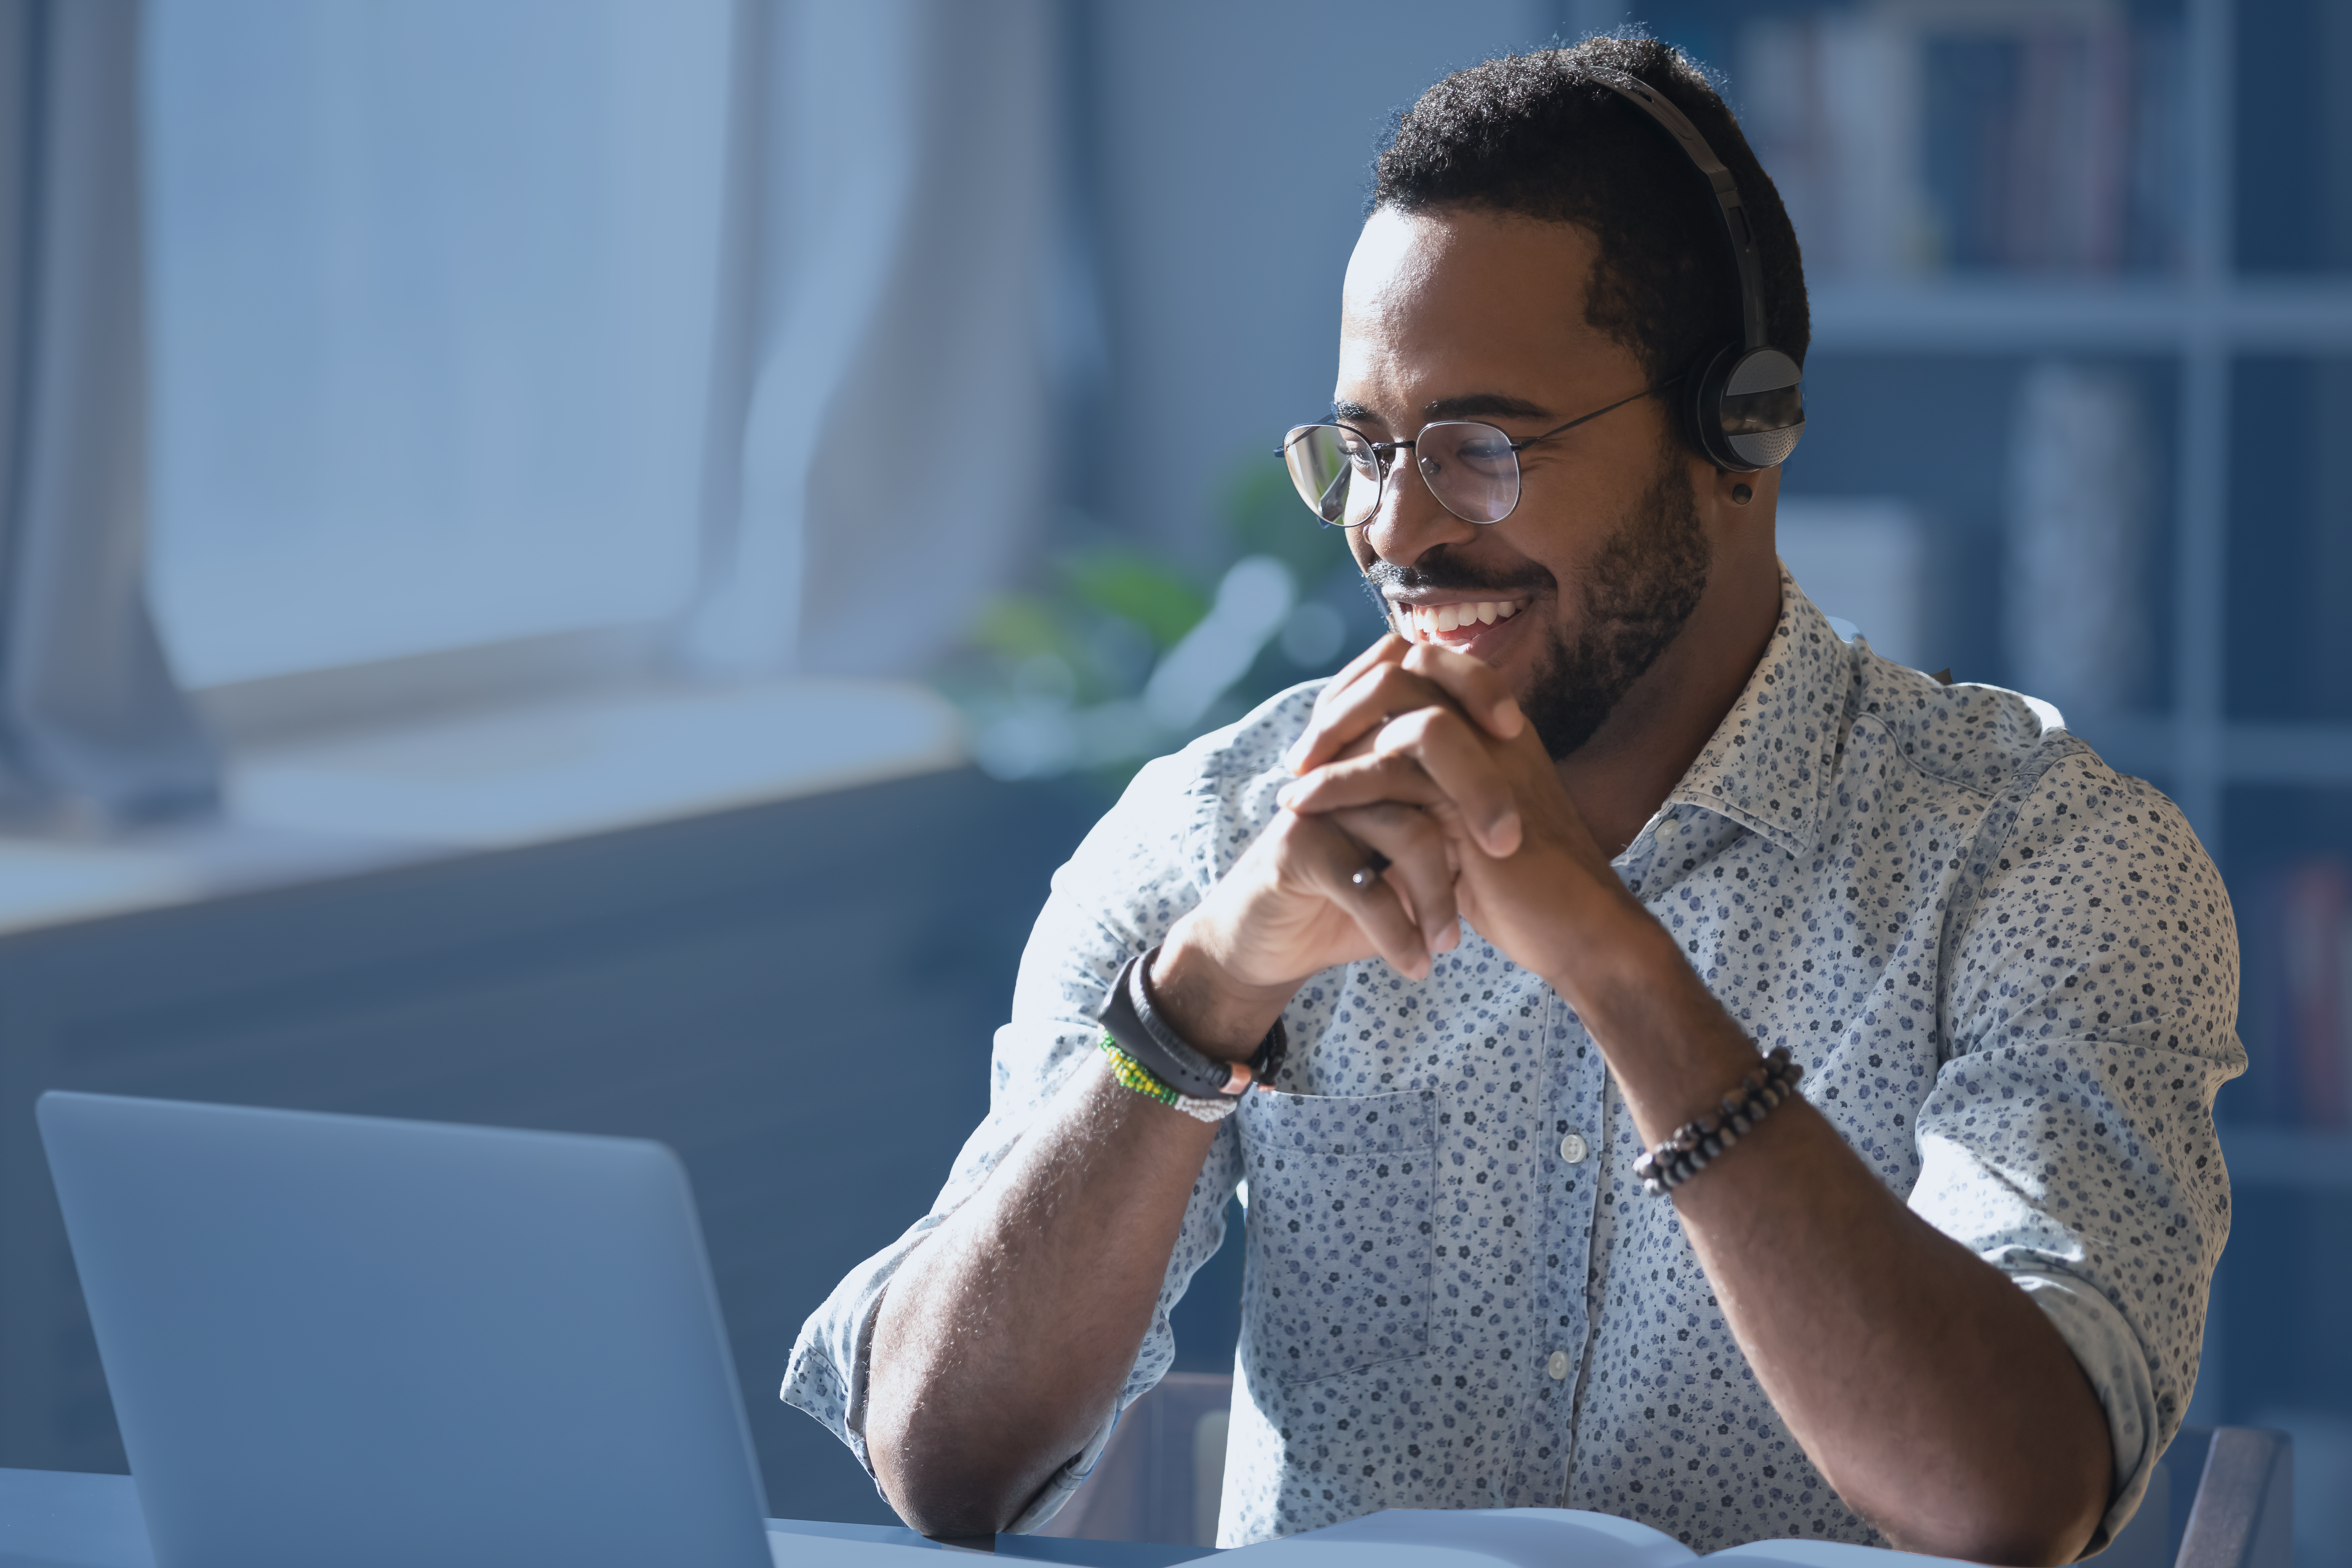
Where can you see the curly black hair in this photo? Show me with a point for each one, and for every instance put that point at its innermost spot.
(1535, 135)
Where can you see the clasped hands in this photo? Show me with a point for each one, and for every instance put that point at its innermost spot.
(1421, 756)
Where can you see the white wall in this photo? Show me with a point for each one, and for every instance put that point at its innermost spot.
(1235, 149)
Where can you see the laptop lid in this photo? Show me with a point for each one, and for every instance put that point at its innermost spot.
(347, 1340)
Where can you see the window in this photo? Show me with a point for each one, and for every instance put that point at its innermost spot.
(432, 292)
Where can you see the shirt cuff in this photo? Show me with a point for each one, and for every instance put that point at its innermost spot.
(2110, 1357)
(1065, 1482)
(826, 1376)
(832, 1366)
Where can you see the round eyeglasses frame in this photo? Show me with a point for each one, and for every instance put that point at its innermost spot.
(1329, 496)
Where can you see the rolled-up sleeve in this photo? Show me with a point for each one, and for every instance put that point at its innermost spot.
(1144, 865)
(2089, 1018)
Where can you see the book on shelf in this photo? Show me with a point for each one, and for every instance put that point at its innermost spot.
(2296, 934)
(1909, 137)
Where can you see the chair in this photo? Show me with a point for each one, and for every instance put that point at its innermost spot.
(1161, 1476)
(2241, 1511)
(2222, 1497)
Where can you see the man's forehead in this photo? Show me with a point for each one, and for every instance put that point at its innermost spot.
(1453, 306)
(1402, 260)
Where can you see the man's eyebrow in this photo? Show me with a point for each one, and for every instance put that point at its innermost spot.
(1489, 404)
(1471, 405)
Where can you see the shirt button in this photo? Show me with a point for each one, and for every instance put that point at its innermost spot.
(1557, 1366)
(1573, 1149)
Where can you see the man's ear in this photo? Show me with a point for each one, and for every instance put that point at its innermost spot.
(1737, 496)
(1741, 531)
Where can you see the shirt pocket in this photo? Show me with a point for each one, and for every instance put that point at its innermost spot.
(1340, 1189)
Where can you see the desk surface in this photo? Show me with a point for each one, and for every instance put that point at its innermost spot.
(58, 1519)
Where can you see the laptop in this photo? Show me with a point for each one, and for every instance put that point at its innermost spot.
(351, 1341)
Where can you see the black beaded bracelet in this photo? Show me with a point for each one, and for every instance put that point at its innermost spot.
(1695, 1144)
(1129, 1018)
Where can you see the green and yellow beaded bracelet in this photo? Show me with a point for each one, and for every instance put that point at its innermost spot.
(1133, 1075)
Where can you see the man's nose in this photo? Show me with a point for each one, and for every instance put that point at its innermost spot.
(1409, 521)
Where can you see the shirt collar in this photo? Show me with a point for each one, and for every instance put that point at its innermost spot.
(1768, 764)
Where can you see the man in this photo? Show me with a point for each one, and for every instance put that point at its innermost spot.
(1530, 885)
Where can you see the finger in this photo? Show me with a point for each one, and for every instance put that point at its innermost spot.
(1428, 759)
(1366, 777)
(1367, 704)
(1389, 650)
(1473, 683)
(1419, 865)
(1458, 760)
(1325, 861)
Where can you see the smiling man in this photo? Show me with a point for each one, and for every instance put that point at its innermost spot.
(1699, 1070)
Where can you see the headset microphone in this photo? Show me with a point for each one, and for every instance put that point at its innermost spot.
(1743, 401)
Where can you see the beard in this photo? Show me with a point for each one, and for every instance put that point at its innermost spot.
(1641, 589)
(1637, 594)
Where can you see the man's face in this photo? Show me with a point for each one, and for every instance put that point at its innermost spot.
(1467, 315)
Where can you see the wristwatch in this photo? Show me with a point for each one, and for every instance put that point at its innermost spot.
(1129, 1018)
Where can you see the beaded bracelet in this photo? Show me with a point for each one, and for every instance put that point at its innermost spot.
(1695, 1144)
(1132, 1074)
(1129, 1017)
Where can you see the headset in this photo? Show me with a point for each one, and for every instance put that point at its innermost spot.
(1743, 400)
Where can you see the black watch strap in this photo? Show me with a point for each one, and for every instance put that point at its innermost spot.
(1129, 1018)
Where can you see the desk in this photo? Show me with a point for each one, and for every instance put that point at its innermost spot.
(60, 1519)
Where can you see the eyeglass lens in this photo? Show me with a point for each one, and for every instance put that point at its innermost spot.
(1468, 467)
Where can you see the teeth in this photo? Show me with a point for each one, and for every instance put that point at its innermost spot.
(1423, 624)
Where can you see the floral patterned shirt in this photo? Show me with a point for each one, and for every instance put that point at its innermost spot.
(2010, 974)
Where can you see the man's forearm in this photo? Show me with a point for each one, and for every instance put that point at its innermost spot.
(1925, 1385)
(1927, 1388)
(1004, 1340)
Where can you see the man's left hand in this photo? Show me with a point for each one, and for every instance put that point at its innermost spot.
(1533, 881)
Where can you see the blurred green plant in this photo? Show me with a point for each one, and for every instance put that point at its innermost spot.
(1125, 653)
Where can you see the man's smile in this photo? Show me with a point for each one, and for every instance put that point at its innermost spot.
(1465, 623)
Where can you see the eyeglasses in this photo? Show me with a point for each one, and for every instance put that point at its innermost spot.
(1472, 468)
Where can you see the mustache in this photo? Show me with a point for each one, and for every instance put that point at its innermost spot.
(1436, 572)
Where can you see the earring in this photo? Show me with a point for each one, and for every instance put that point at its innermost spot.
(1741, 494)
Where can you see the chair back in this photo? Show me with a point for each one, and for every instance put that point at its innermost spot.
(1163, 1472)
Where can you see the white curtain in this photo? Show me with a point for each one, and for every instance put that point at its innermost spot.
(93, 728)
(881, 413)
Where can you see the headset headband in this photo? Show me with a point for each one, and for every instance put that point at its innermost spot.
(1728, 206)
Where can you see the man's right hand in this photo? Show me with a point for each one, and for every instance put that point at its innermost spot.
(1309, 894)
(971, 1408)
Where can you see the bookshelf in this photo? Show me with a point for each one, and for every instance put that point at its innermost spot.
(2132, 316)
(2288, 1159)
(2242, 724)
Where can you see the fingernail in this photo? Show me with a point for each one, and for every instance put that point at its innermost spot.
(1295, 754)
(1285, 795)
(1505, 834)
(1508, 719)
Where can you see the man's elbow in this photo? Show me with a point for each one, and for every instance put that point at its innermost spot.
(953, 1497)
(951, 1484)
(2032, 1526)
(2023, 1544)
(951, 1513)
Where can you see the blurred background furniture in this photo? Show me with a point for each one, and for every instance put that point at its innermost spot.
(1160, 1477)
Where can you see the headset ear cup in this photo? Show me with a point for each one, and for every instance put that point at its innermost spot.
(1760, 408)
(1703, 407)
